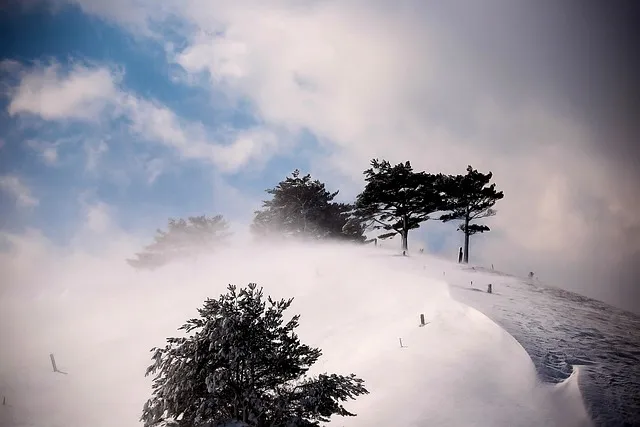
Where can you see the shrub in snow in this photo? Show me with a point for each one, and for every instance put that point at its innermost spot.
(243, 365)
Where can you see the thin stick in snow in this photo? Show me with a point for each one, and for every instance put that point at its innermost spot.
(422, 320)
(53, 363)
(55, 367)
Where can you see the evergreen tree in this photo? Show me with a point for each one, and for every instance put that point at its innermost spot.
(183, 238)
(468, 198)
(397, 199)
(243, 364)
(302, 207)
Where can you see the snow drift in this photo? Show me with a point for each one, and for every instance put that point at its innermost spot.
(100, 319)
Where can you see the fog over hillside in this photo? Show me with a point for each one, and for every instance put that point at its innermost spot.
(100, 318)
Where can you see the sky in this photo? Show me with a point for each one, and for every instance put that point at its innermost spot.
(118, 115)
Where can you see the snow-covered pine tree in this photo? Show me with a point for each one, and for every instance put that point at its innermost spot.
(243, 365)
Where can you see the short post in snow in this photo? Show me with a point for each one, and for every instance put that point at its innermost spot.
(53, 363)
(489, 288)
(4, 400)
(401, 345)
(422, 323)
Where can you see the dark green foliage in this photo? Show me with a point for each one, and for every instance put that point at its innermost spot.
(193, 236)
(397, 199)
(302, 207)
(242, 362)
(468, 198)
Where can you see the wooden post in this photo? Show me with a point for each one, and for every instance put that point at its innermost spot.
(53, 363)
(489, 289)
(401, 346)
(4, 400)
(422, 320)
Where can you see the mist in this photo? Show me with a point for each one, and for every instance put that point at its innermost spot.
(100, 318)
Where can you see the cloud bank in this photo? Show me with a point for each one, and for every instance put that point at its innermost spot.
(505, 87)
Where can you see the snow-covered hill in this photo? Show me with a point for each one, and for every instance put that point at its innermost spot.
(560, 331)
(101, 320)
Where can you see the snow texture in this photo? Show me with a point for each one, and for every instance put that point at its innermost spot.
(100, 321)
(561, 330)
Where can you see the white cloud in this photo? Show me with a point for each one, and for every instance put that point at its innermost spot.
(93, 95)
(154, 168)
(235, 149)
(16, 188)
(97, 218)
(82, 93)
(98, 231)
(94, 151)
(47, 150)
(370, 79)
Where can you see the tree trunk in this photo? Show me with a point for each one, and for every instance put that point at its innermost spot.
(405, 234)
(466, 240)
(405, 238)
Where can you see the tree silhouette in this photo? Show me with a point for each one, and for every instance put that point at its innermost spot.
(302, 207)
(397, 199)
(244, 364)
(469, 198)
(193, 236)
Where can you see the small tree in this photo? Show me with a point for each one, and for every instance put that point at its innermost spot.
(397, 199)
(243, 364)
(192, 236)
(468, 198)
(302, 207)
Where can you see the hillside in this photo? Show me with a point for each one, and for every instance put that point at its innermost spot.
(356, 304)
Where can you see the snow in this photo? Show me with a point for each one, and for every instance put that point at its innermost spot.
(100, 319)
(561, 330)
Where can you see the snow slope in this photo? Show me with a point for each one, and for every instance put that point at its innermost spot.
(561, 330)
(356, 304)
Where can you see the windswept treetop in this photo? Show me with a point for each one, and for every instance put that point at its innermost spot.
(468, 198)
(195, 235)
(397, 199)
(303, 207)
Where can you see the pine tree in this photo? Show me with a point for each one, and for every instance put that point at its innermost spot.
(469, 198)
(397, 199)
(302, 207)
(193, 236)
(243, 365)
